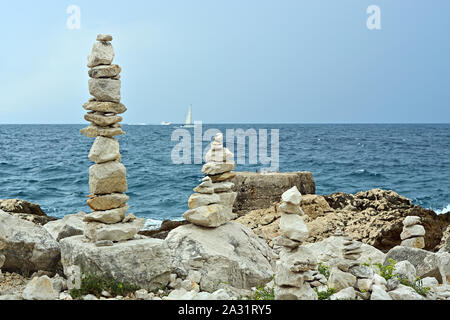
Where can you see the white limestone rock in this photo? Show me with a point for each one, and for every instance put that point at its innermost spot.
(212, 216)
(429, 282)
(220, 187)
(70, 225)
(214, 168)
(102, 120)
(443, 261)
(40, 288)
(339, 280)
(108, 216)
(412, 231)
(230, 254)
(106, 178)
(285, 277)
(94, 131)
(105, 71)
(102, 54)
(107, 201)
(378, 293)
(411, 220)
(114, 232)
(425, 262)
(404, 269)
(219, 155)
(283, 241)
(305, 292)
(405, 293)
(364, 284)
(199, 200)
(299, 260)
(104, 37)
(26, 246)
(105, 89)
(288, 207)
(144, 262)
(227, 198)
(292, 196)
(104, 106)
(293, 227)
(415, 242)
(329, 252)
(104, 149)
(344, 294)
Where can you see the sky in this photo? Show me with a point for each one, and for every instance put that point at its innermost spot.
(235, 61)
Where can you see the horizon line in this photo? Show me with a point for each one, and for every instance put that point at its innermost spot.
(234, 123)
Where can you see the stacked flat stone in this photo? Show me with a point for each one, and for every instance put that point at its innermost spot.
(296, 269)
(413, 233)
(212, 203)
(363, 275)
(107, 177)
(350, 253)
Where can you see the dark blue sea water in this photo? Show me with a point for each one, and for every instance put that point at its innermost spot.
(48, 164)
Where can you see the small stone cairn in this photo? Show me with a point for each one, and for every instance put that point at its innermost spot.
(351, 253)
(108, 222)
(413, 233)
(296, 270)
(212, 203)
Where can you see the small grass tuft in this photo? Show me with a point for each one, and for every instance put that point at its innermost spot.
(325, 295)
(94, 284)
(263, 293)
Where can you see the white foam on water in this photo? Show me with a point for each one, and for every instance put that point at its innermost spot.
(444, 210)
(152, 224)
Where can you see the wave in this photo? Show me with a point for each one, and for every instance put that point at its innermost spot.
(365, 173)
(153, 224)
(443, 210)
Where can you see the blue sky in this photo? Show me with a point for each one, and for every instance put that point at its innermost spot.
(236, 61)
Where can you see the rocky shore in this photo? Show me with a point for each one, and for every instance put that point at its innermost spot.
(32, 245)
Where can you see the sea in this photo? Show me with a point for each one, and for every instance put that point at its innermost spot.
(48, 164)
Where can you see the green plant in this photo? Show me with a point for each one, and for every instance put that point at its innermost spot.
(263, 293)
(325, 295)
(323, 269)
(416, 285)
(387, 271)
(368, 264)
(95, 284)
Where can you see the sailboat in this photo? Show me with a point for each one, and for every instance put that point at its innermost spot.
(188, 123)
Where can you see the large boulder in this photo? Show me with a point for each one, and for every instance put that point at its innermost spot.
(40, 288)
(143, 262)
(329, 252)
(425, 262)
(258, 191)
(25, 210)
(70, 225)
(230, 254)
(27, 247)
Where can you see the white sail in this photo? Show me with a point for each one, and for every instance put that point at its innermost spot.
(189, 116)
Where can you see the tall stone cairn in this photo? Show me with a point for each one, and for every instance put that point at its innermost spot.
(107, 177)
(296, 270)
(413, 233)
(212, 203)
